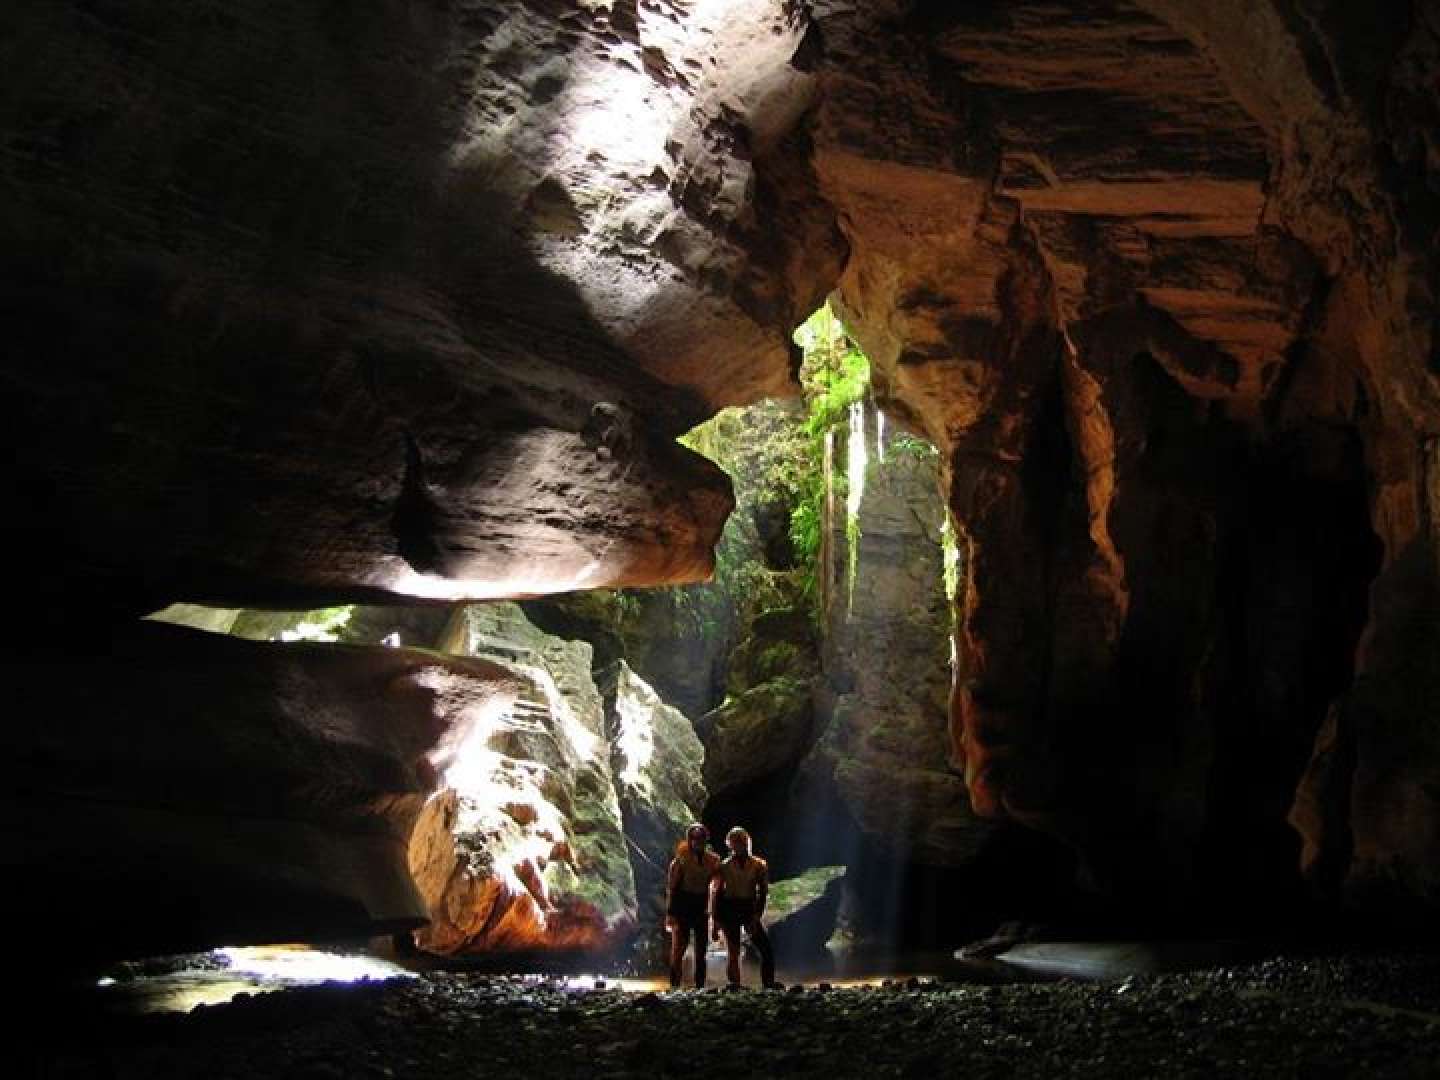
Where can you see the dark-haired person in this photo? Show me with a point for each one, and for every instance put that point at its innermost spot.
(687, 892)
(738, 896)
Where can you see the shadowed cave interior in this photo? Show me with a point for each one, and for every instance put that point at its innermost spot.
(989, 450)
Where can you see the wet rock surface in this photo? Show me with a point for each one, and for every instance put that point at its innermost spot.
(1374, 1016)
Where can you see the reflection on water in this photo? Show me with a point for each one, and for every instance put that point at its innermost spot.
(217, 977)
(850, 968)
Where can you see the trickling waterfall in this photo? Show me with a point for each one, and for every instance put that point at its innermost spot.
(950, 555)
(826, 570)
(856, 459)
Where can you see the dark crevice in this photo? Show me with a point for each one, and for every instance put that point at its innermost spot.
(416, 516)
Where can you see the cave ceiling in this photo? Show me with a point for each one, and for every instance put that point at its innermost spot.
(407, 302)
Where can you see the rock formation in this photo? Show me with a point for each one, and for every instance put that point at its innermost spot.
(656, 760)
(553, 820)
(883, 749)
(800, 914)
(408, 301)
(523, 846)
(1156, 282)
(183, 788)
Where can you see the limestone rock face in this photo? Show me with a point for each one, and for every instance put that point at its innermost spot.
(524, 846)
(185, 789)
(656, 760)
(402, 303)
(1158, 279)
(802, 910)
(883, 749)
(757, 734)
(405, 301)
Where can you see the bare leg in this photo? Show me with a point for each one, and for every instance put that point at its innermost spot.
(678, 934)
(700, 944)
(761, 940)
(732, 952)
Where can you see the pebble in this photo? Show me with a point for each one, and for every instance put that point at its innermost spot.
(1291, 1017)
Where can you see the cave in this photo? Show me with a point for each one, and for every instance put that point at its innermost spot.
(381, 379)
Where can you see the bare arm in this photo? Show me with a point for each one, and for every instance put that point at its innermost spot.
(710, 906)
(762, 889)
(672, 882)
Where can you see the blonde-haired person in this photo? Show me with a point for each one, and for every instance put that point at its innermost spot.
(687, 886)
(737, 900)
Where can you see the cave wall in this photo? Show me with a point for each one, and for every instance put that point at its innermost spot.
(181, 789)
(1160, 284)
(309, 306)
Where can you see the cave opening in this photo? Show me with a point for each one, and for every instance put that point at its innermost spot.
(803, 693)
(363, 349)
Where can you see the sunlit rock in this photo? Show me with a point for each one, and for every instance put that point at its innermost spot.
(488, 292)
(800, 914)
(656, 759)
(186, 789)
(882, 753)
(523, 847)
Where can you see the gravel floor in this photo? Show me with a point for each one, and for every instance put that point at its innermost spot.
(1361, 1016)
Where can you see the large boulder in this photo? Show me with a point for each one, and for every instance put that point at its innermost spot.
(488, 292)
(182, 789)
(656, 759)
(802, 912)
(756, 734)
(524, 846)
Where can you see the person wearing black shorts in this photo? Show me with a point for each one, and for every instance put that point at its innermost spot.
(688, 887)
(739, 893)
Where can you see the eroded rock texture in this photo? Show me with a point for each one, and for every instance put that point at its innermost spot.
(185, 788)
(656, 760)
(1158, 279)
(523, 848)
(408, 300)
(882, 749)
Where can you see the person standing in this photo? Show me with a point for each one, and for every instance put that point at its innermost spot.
(687, 887)
(738, 896)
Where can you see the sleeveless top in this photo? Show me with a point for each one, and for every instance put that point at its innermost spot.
(741, 882)
(695, 874)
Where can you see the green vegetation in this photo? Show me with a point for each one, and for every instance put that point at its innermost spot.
(323, 624)
(834, 375)
(911, 446)
(768, 558)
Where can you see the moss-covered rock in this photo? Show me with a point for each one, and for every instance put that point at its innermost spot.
(524, 848)
(802, 911)
(656, 760)
(757, 733)
(882, 751)
(780, 642)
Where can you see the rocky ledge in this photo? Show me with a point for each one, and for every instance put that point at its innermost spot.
(1376, 1016)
